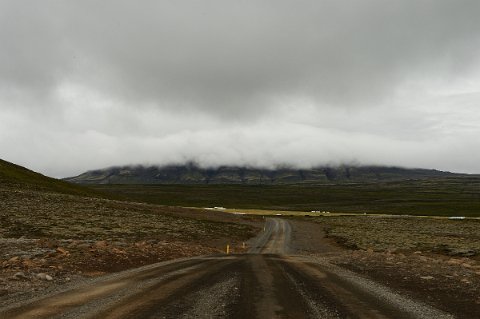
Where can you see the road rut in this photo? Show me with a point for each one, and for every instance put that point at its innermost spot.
(267, 282)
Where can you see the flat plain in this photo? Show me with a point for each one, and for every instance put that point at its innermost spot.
(434, 196)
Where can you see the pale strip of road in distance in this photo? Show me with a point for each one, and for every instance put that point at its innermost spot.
(268, 282)
(291, 213)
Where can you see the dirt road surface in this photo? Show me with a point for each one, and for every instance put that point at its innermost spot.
(268, 282)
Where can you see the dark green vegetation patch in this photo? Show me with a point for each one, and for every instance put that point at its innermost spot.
(456, 196)
(19, 178)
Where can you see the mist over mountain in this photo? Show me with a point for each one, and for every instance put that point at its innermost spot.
(194, 174)
(304, 83)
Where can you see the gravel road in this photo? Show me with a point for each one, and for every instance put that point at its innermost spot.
(268, 282)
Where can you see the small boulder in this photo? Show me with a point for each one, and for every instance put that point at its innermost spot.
(28, 263)
(83, 246)
(13, 259)
(44, 276)
(462, 252)
(101, 244)
(20, 276)
(454, 261)
(62, 251)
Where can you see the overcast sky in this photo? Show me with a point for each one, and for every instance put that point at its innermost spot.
(91, 84)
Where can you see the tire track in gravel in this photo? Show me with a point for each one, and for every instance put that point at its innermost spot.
(265, 283)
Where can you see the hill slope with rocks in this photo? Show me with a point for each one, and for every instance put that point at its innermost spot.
(192, 174)
(16, 177)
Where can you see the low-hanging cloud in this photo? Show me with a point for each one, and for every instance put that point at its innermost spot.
(87, 84)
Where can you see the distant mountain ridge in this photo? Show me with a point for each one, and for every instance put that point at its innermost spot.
(193, 174)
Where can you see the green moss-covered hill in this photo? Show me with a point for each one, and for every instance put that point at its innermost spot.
(13, 176)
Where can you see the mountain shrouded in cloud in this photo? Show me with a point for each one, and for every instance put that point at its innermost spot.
(86, 84)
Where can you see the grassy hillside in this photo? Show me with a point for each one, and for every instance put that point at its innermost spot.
(437, 196)
(17, 177)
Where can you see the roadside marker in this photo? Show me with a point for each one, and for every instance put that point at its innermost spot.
(228, 249)
(243, 246)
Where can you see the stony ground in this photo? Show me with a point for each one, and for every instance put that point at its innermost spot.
(442, 236)
(430, 259)
(50, 239)
(447, 283)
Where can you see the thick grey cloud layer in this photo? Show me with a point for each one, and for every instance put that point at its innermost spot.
(86, 84)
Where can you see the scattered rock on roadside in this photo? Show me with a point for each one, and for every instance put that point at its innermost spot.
(101, 244)
(13, 260)
(44, 276)
(462, 252)
(84, 246)
(27, 263)
(20, 276)
(62, 251)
